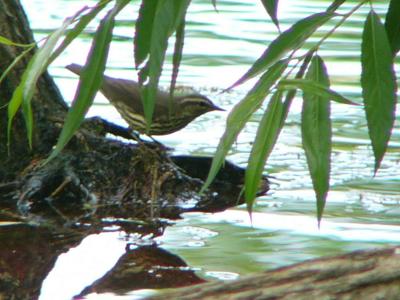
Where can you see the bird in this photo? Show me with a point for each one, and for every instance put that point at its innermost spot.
(170, 114)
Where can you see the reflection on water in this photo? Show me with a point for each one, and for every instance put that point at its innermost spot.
(362, 210)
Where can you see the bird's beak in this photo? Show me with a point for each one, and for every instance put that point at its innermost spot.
(218, 108)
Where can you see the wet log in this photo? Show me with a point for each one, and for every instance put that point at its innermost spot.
(367, 275)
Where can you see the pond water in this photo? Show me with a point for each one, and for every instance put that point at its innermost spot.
(362, 211)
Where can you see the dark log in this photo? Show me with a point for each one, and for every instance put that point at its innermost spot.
(367, 275)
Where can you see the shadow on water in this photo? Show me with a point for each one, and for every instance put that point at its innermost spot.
(30, 254)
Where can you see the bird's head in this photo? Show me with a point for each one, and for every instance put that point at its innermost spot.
(196, 105)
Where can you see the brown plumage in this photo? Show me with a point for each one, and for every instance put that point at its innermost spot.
(125, 96)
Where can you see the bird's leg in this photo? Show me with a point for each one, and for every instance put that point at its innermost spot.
(136, 136)
(159, 144)
(155, 147)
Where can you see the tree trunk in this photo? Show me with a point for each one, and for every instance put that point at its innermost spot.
(47, 101)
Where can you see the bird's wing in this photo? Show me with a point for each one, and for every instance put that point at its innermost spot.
(128, 91)
(122, 90)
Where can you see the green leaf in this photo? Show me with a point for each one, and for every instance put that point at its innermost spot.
(378, 83)
(267, 134)
(292, 93)
(316, 131)
(271, 6)
(392, 25)
(241, 113)
(91, 78)
(315, 88)
(335, 5)
(214, 3)
(15, 61)
(78, 28)
(143, 31)
(176, 60)
(12, 109)
(169, 14)
(70, 36)
(287, 41)
(25, 90)
(266, 139)
(6, 41)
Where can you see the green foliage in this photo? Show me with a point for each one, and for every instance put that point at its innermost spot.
(91, 78)
(311, 86)
(335, 5)
(165, 17)
(80, 25)
(159, 20)
(144, 30)
(289, 40)
(24, 92)
(378, 83)
(267, 134)
(176, 61)
(379, 92)
(241, 113)
(6, 41)
(316, 131)
(392, 25)
(271, 6)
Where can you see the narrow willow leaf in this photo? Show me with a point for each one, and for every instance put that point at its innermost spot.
(14, 62)
(143, 31)
(316, 131)
(335, 5)
(315, 88)
(176, 60)
(24, 92)
(84, 20)
(12, 109)
(241, 113)
(392, 25)
(214, 3)
(143, 73)
(169, 14)
(91, 78)
(287, 41)
(271, 6)
(378, 83)
(39, 62)
(280, 119)
(292, 93)
(8, 42)
(267, 134)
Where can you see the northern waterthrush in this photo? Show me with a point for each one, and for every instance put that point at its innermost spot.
(167, 118)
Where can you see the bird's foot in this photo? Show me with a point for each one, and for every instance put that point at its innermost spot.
(153, 144)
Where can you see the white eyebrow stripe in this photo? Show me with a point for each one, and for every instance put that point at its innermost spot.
(194, 100)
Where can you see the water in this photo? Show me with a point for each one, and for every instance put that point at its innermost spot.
(362, 211)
